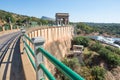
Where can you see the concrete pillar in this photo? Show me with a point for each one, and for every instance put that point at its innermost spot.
(38, 32)
(35, 34)
(38, 42)
(11, 27)
(3, 28)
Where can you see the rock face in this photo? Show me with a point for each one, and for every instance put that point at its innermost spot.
(114, 74)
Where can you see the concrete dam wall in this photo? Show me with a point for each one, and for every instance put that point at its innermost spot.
(57, 41)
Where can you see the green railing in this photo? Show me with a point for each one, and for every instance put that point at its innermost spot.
(58, 64)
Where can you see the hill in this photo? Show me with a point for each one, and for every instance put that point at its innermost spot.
(20, 20)
(97, 61)
(47, 18)
(109, 28)
(105, 29)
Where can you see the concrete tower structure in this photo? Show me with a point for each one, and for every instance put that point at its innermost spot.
(62, 18)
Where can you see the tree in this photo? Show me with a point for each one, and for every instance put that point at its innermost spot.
(9, 18)
(111, 58)
(85, 28)
(115, 50)
(81, 41)
(96, 46)
(0, 28)
(44, 22)
(98, 73)
(72, 63)
(19, 22)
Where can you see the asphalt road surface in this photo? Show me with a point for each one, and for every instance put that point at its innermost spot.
(11, 67)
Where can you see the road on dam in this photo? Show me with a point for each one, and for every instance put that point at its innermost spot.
(11, 67)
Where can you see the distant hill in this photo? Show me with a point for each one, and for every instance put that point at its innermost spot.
(109, 28)
(102, 24)
(47, 18)
(105, 29)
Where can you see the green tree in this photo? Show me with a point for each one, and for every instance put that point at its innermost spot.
(19, 22)
(96, 46)
(98, 73)
(81, 41)
(72, 63)
(44, 22)
(111, 58)
(0, 28)
(50, 22)
(115, 50)
(85, 28)
(9, 18)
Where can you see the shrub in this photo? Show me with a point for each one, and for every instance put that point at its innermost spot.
(109, 48)
(72, 63)
(96, 46)
(98, 72)
(0, 28)
(81, 41)
(84, 28)
(115, 50)
(111, 58)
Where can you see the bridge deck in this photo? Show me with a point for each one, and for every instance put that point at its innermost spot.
(11, 66)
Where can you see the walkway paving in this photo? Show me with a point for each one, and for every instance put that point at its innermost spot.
(11, 67)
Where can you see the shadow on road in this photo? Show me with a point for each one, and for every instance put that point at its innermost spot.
(11, 67)
(14, 60)
(17, 72)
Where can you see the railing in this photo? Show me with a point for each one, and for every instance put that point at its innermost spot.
(38, 64)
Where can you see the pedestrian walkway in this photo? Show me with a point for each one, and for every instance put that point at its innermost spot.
(11, 67)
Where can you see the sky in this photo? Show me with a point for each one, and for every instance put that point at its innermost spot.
(100, 11)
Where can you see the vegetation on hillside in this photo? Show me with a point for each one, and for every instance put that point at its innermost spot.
(20, 20)
(98, 73)
(111, 29)
(97, 60)
(81, 41)
(82, 28)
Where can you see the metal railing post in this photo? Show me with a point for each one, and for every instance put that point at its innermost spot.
(38, 42)
(23, 38)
